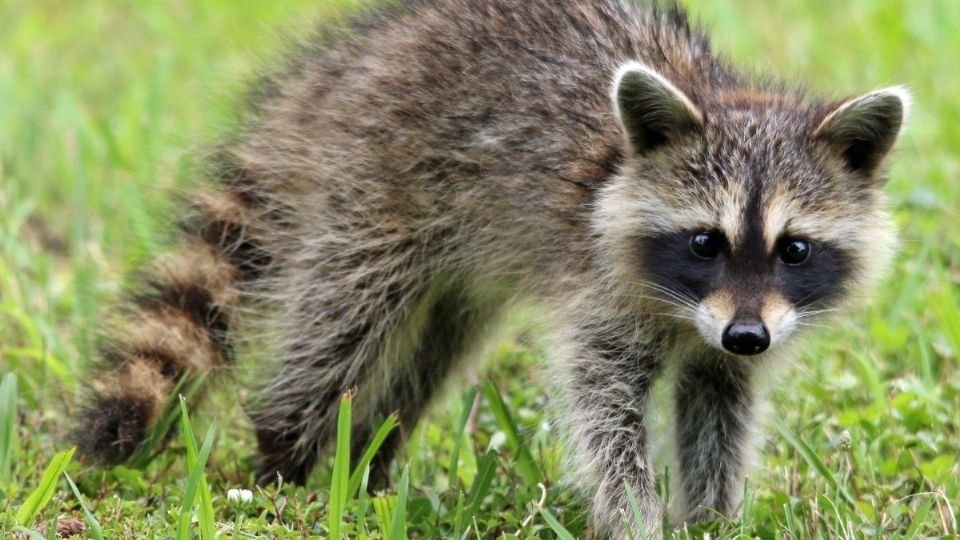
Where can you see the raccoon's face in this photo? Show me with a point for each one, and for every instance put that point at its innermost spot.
(747, 215)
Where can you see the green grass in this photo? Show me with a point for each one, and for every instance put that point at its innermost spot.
(103, 106)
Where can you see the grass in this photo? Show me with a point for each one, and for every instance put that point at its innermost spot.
(102, 104)
(196, 481)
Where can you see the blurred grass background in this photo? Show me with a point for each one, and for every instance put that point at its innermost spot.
(105, 108)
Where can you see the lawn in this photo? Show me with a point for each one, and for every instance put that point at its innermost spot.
(105, 109)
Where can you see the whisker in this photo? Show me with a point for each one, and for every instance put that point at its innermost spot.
(666, 301)
(679, 296)
(812, 325)
(676, 316)
(802, 314)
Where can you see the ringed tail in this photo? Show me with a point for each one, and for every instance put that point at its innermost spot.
(174, 327)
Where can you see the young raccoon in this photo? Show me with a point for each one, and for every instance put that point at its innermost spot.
(404, 179)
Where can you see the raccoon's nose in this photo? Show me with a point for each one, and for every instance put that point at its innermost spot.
(746, 337)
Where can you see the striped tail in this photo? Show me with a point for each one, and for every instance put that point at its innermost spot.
(177, 327)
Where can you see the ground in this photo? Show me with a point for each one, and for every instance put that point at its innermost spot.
(103, 108)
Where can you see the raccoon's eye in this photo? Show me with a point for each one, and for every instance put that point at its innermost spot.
(794, 252)
(706, 245)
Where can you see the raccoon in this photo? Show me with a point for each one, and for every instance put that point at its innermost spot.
(408, 176)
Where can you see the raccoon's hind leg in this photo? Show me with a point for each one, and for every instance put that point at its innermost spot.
(454, 322)
(335, 330)
(714, 409)
(397, 349)
(345, 321)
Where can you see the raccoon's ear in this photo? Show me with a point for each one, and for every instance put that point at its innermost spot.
(650, 108)
(864, 129)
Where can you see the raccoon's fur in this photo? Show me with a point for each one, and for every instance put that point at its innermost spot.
(405, 178)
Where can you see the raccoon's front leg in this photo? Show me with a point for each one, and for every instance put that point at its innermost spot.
(606, 380)
(714, 409)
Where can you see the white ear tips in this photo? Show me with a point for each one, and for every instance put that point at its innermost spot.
(902, 93)
(655, 80)
(864, 129)
(651, 110)
(871, 100)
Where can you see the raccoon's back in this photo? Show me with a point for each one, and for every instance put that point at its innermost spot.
(439, 101)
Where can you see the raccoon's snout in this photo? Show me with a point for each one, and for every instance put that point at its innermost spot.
(745, 337)
(743, 330)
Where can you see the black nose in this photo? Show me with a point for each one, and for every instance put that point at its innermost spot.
(746, 337)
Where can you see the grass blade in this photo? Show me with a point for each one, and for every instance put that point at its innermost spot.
(870, 377)
(398, 525)
(8, 425)
(924, 360)
(637, 514)
(791, 521)
(363, 502)
(945, 309)
(458, 516)
(379, 437)
(37, 349)
(528, 467)
(468, 402)
(814, 461)
(44, 492)
(918, 520)
(196, 481)
(558, 529)
(91, 519)
(168, 417)
(207, 525)
(486, 470)
(383, 511)
(341, 468)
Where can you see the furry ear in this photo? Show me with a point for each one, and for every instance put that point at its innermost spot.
(650, 108)
(864, 129)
